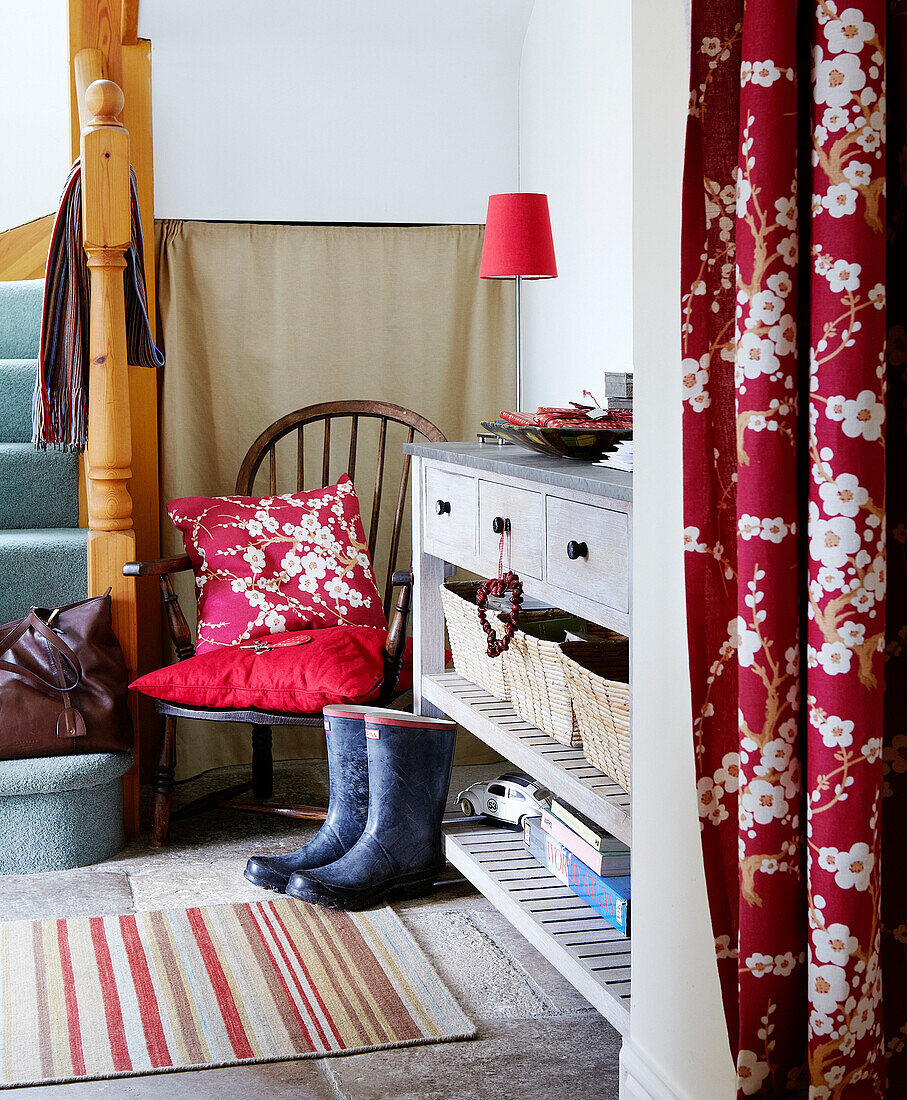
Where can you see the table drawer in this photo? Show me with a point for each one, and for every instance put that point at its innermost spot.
(526, 513)
(599, 540)
(449, 514)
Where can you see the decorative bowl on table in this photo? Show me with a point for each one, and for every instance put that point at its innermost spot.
(582, 443)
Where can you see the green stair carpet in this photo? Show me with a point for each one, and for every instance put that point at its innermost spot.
(41, 568)
(18, 385)
(20, 319)
(38, 488)
(42, 549)
(62, 811)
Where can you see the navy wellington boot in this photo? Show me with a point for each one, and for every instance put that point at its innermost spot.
(399, 854)
(344, 735)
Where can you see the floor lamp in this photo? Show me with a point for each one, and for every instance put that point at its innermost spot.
(518, 246)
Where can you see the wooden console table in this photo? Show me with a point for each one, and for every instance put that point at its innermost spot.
(459, 489)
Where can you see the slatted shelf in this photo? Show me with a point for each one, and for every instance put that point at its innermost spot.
(564, 771)
(592, 956)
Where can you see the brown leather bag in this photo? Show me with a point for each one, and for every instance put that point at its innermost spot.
(63, 683)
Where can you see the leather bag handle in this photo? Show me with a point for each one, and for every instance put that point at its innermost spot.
(36, 624)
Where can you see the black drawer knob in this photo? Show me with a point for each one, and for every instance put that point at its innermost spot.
(577, 550)
(499, 524)
(442, 506)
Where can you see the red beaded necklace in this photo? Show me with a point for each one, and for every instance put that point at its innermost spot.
(498, 586)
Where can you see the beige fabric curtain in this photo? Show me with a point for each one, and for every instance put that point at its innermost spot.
(258, 320)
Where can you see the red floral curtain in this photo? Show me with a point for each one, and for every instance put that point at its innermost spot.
(797, 667)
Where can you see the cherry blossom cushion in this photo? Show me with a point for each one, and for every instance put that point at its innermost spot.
(297, 673)
(265, 565)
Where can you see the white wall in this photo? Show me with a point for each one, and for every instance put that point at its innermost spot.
(575, 145)
(678, 1041)
(334, 110)
(603, 96)
(34, 121)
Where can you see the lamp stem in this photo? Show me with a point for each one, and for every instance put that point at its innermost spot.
(519, 343)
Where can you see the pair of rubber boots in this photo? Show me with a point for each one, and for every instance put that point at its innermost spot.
(389, 774)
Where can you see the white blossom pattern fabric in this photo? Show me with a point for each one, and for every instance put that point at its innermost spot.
(265, 565)
(788, 390)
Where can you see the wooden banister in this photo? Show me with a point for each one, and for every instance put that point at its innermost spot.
(104, 44)
(89, 65)
(106, 234)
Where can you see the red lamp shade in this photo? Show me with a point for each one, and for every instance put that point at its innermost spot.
(518, 238)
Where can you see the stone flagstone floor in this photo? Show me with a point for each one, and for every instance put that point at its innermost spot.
(536, 1035)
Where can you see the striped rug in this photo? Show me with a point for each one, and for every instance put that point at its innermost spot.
(99, 997)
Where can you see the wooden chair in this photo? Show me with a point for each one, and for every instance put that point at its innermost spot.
(329, 414)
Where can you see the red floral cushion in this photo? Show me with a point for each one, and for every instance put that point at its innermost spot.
(298, 673)
(265, 565)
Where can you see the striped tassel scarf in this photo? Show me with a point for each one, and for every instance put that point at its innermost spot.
(60, 414)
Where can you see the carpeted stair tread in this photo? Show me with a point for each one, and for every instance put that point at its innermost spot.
(57, 774)
(41, 568)
(17, 388)
(20, 318)
(38, 488)
(59, 812)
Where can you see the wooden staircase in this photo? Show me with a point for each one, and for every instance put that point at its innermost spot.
(118, 490)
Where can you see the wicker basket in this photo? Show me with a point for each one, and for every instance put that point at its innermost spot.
(468, 643)
(602, 711)
(537, 679)
(467, 639)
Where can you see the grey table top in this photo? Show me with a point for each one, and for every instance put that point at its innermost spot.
(512, 461)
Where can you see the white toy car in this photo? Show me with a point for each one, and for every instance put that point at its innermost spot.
(511, 797)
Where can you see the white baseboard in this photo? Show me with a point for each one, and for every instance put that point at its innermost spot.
(639, 1080)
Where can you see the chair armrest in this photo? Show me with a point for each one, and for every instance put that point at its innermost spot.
(395, 645)
(157, 567)
(161, 568)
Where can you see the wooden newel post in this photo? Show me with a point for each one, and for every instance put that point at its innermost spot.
(106, 234)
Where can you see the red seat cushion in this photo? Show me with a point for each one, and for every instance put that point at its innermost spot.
(265, 565)
(300, 673)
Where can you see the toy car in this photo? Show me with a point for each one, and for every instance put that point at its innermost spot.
(511, 797)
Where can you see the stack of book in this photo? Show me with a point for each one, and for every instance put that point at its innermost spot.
(594, 864)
